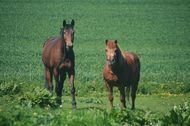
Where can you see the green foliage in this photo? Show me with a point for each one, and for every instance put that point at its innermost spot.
(34, 105)
(9, 88)
(179, 115)
(92, 116)
(133, 118)
(37, 96)
(158, 31)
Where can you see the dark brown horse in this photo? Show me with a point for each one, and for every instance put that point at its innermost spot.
(122, 69)
(59, 59)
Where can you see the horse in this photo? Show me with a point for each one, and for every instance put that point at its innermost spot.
(121, 70)
(59, 59)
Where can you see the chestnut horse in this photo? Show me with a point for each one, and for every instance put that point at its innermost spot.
(59, 59)
(122, 69)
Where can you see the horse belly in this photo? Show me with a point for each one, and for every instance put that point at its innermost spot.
(46, 57)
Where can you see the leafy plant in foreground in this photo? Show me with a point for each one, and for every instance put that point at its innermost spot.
(135, 118)
(9, 88)
(38, 96)
(179, 115)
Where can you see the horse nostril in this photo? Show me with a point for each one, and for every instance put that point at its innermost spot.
(111, 61)
(70, 44)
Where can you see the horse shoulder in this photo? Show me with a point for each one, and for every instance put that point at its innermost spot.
(56, 53)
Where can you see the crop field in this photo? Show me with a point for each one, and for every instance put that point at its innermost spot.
(157, 30)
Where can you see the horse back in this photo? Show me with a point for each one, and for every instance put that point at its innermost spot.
(51, 53)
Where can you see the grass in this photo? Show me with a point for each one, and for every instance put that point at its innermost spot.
(36, 106)
(158, 31)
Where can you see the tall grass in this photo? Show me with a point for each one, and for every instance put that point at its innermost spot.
(158, 31)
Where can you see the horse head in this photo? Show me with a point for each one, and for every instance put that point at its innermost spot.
(112, 52)
(67, 33)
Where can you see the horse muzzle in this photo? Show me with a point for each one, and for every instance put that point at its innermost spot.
(69, 45)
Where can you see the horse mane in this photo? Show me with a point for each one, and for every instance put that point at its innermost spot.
(120, 60)
(64, 44)
(121, 56)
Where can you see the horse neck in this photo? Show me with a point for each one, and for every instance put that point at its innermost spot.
(63, 47)
(67, 54)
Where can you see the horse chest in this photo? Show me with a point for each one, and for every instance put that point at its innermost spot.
(69, 61)
(112, 77)
(116, 78)
(66, 64)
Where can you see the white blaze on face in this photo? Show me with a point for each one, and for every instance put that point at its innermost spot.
(111, 47)
(68, 38)
(110, 56)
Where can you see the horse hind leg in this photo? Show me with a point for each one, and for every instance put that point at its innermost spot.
(48, 79)
(133, 94)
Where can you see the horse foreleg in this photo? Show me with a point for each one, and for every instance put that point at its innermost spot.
(122, 97)
(133, 95)
(71, 75)
(110, 94)
(48, 79)
(58, 86)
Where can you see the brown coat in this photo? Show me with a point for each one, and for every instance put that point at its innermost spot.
(122, 69)
(126, 73)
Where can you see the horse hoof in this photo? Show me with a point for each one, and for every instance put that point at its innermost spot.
(74, 108)
(58, 101)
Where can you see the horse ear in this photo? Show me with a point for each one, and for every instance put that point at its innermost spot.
(64, 23)
(106, 41)
(115, 41)
(72, 22)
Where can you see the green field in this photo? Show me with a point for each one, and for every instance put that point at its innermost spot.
(158, 31)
